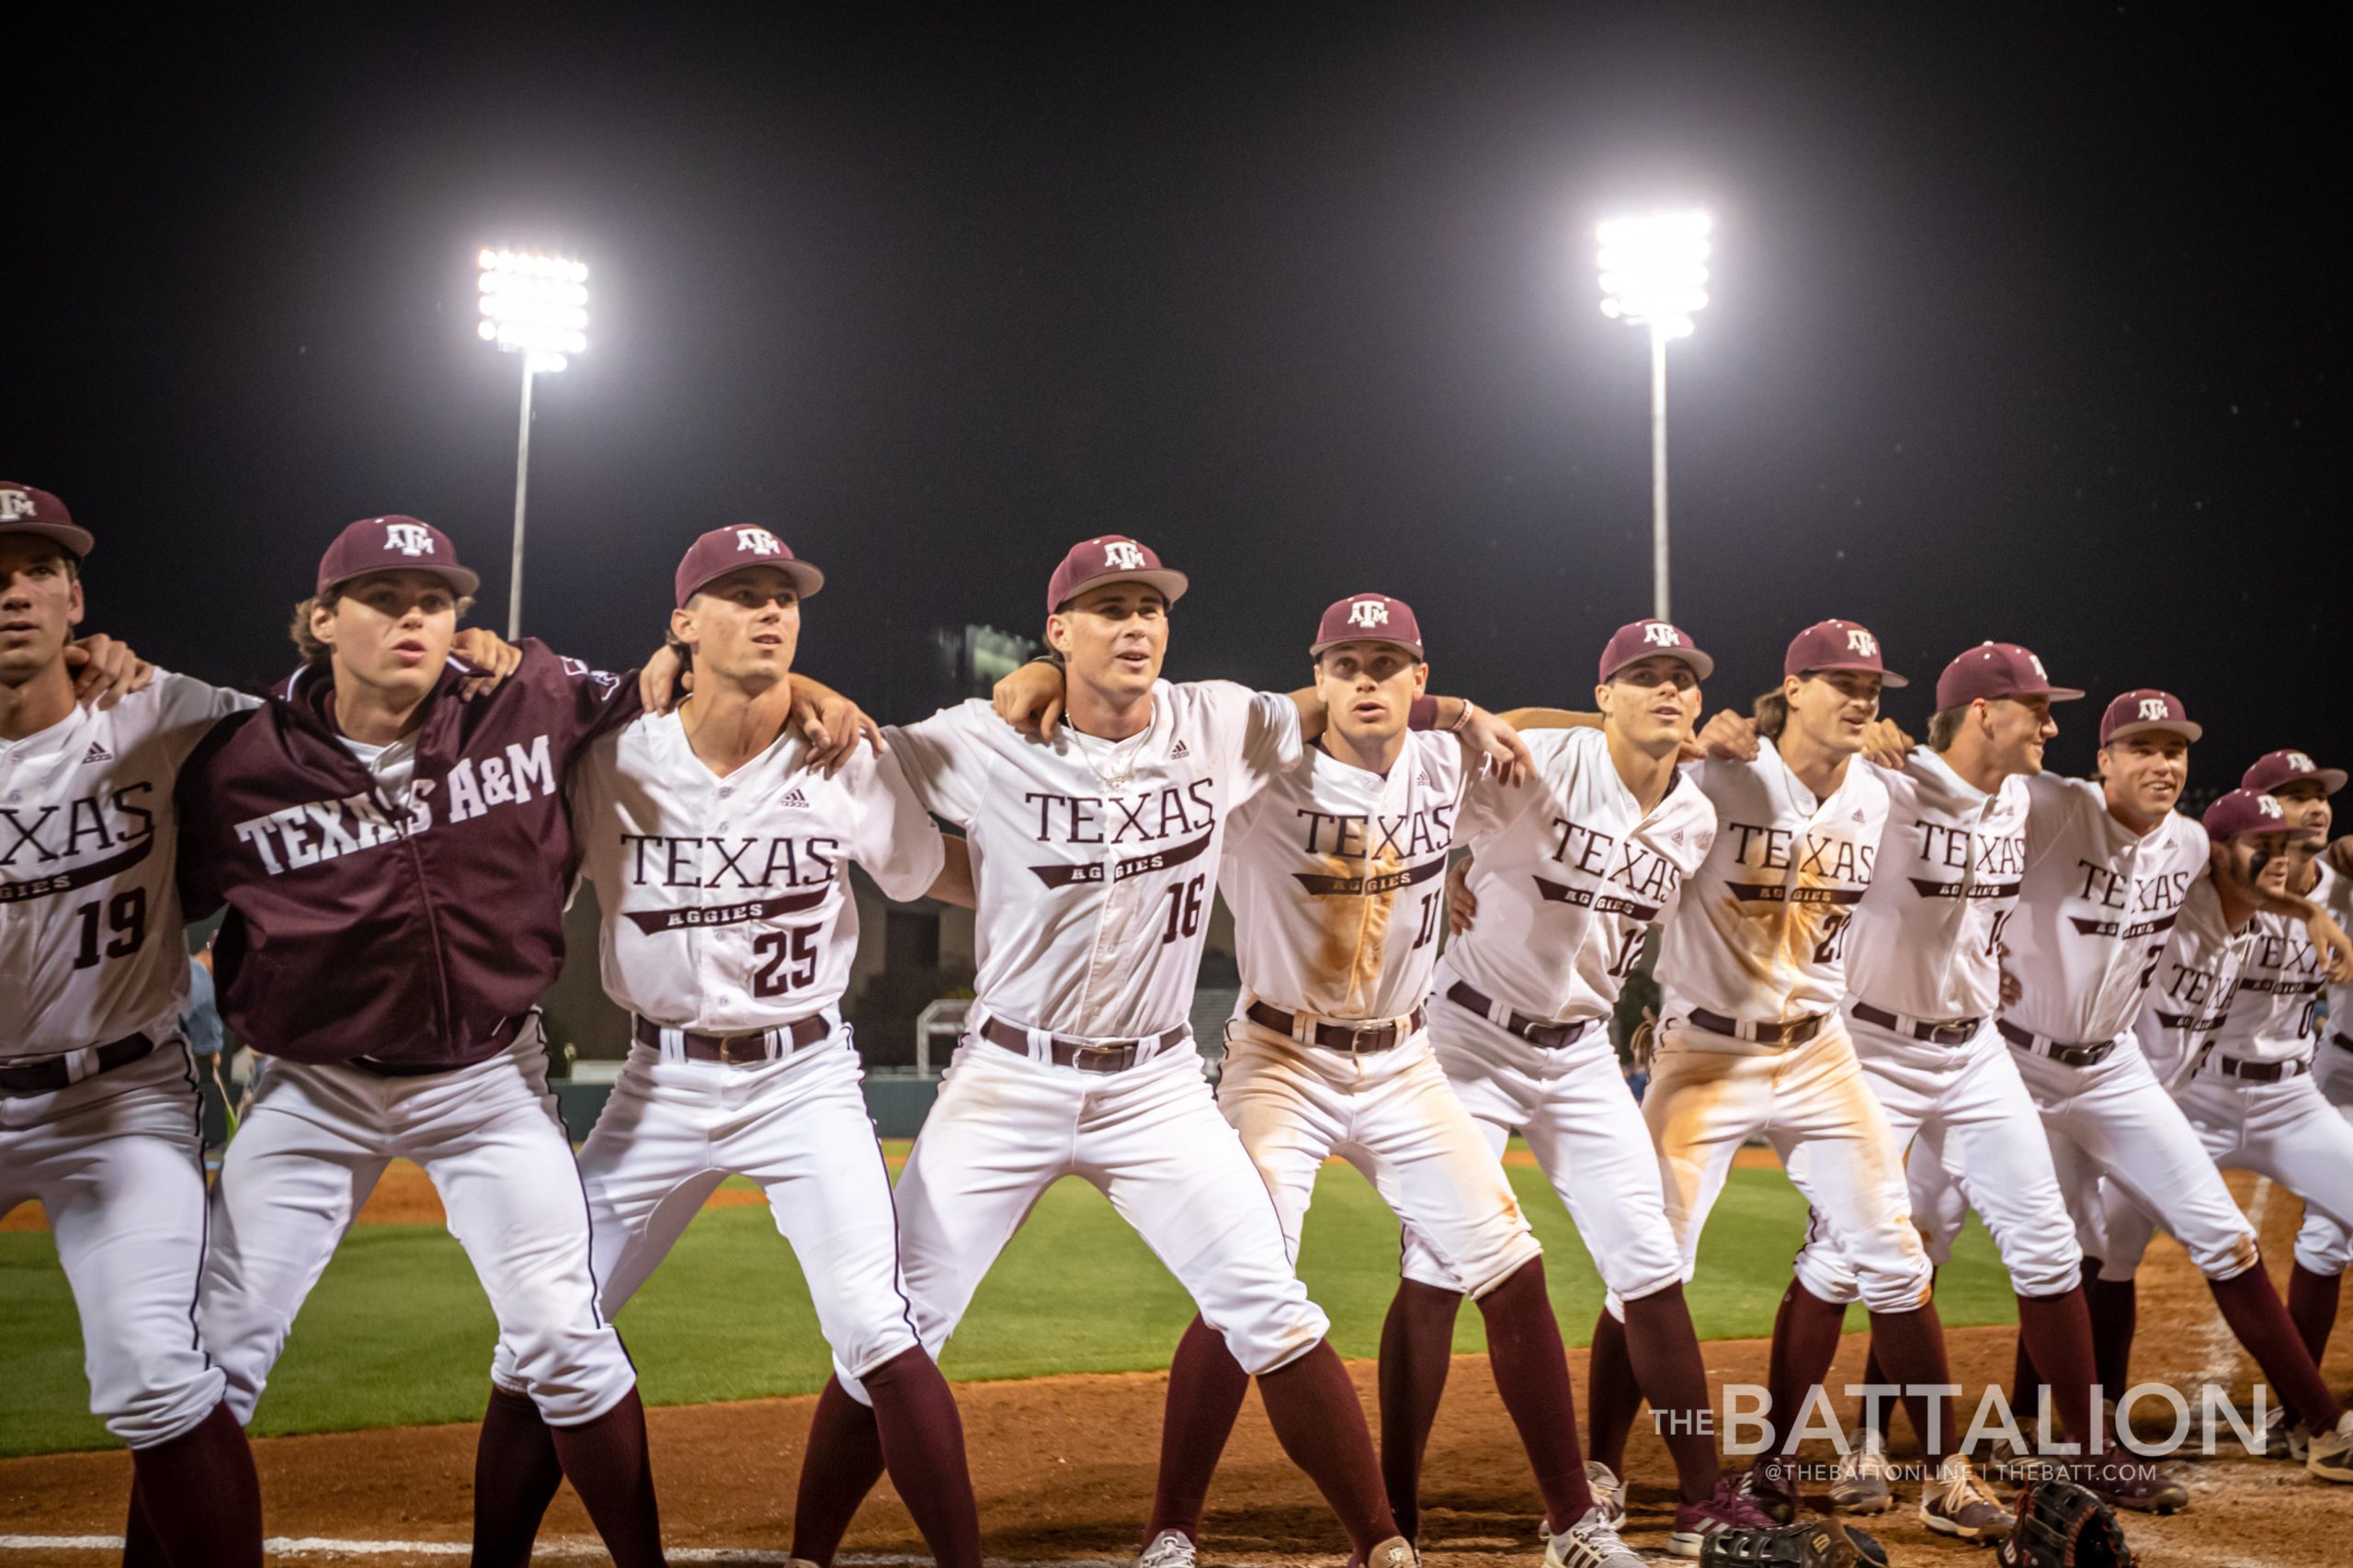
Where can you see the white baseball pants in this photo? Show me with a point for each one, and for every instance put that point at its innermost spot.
(673, 1130)
(1151, 1138)
(117, 1162)
(1391, 1116)
(2286, 1131)
(1969, 1114)
(313, 1145)
(2114, 1119)
(1585, 1130)
(1815, 1105)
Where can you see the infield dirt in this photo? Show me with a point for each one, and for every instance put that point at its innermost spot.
(1064, 1468)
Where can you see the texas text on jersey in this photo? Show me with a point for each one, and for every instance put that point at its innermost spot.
(1337, 874)
(1928, 935)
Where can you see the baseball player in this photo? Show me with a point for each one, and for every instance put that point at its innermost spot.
(100, 1121)
(720, 855)
(1335, 875)
(2108, 866)
(1924, 985)
(1093, 854)
(1564, 879)
(393, 865)
(1753, 973)
(2236, 998)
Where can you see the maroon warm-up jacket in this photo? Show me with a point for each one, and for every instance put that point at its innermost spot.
(414, 937)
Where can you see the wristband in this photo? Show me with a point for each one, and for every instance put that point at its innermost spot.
(1463, 721)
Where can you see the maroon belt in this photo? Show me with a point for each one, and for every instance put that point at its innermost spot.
(2258, 1072)
(1795, 1032)
(1545, 1032)
(1952, 1031)
(1087, 1055)
(50, 1074)
(2057, 1049)
(1357, 1037)
(745, 1049)
(2340, 1038)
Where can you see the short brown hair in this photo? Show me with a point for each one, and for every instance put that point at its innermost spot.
(317, 655)
(1944, 726)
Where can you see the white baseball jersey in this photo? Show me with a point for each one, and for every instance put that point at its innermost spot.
(90, 942)
(2098, 907)
(1761, 936)
(2190, 995)
(2333, 1066)
(1928, 932)
(1093, 861)
(2273, 1015)
(1569, 872)
(1336, 878)
(727, 904)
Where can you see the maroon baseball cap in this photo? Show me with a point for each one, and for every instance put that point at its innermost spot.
(1996, 670)
(2146, 709)
(1111, 558)
(1639, 640)
(2243, 811)
(1368, 618)
(1837, 645)
(723, 551)
(394, 544)
(2283, 767)
(25, 510)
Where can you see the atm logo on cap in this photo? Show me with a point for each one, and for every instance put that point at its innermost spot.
(2152, 708)
(1123, 555)
(2269, 807)
(2040, 673)
(1664, 635)
(1861, 641)
(1368, 612)
(15, 503)
(759, 542)
(409, 539)
(2298, 762)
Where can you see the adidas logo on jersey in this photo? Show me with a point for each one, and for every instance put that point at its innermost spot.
(96, 752)
(1179, 749)
(794, 797)
(1423, 780)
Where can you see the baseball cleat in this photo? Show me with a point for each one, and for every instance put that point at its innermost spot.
(1609, 1492)
(1771, 1483)
(1861, 1484)
(1589, 1543)
(1169, 1548)
(1394, 1552)
(1958, 1504)
(2285, 1438)
(1725, 1509)
(2331, 1457)
(2133, 1484)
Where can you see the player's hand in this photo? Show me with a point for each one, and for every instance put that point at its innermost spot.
(2335, 952)
(1030, 699)
(663, 680)
(831, 723)
(107, 670)
(1486, 735)
(490, 653)
(1886, 744)
(1461, 903)
(1728, 738)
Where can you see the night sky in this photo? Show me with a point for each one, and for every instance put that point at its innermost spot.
(2026, 325)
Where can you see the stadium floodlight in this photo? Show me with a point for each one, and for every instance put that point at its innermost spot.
(536, 306)
(1654, 275)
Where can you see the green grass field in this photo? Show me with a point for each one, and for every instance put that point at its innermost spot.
(398, 1331)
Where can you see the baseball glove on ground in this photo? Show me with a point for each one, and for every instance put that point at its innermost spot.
(2062, 1526)
(1818, 1543)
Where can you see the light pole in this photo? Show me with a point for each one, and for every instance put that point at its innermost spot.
(1655, 274)
(536, 306)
